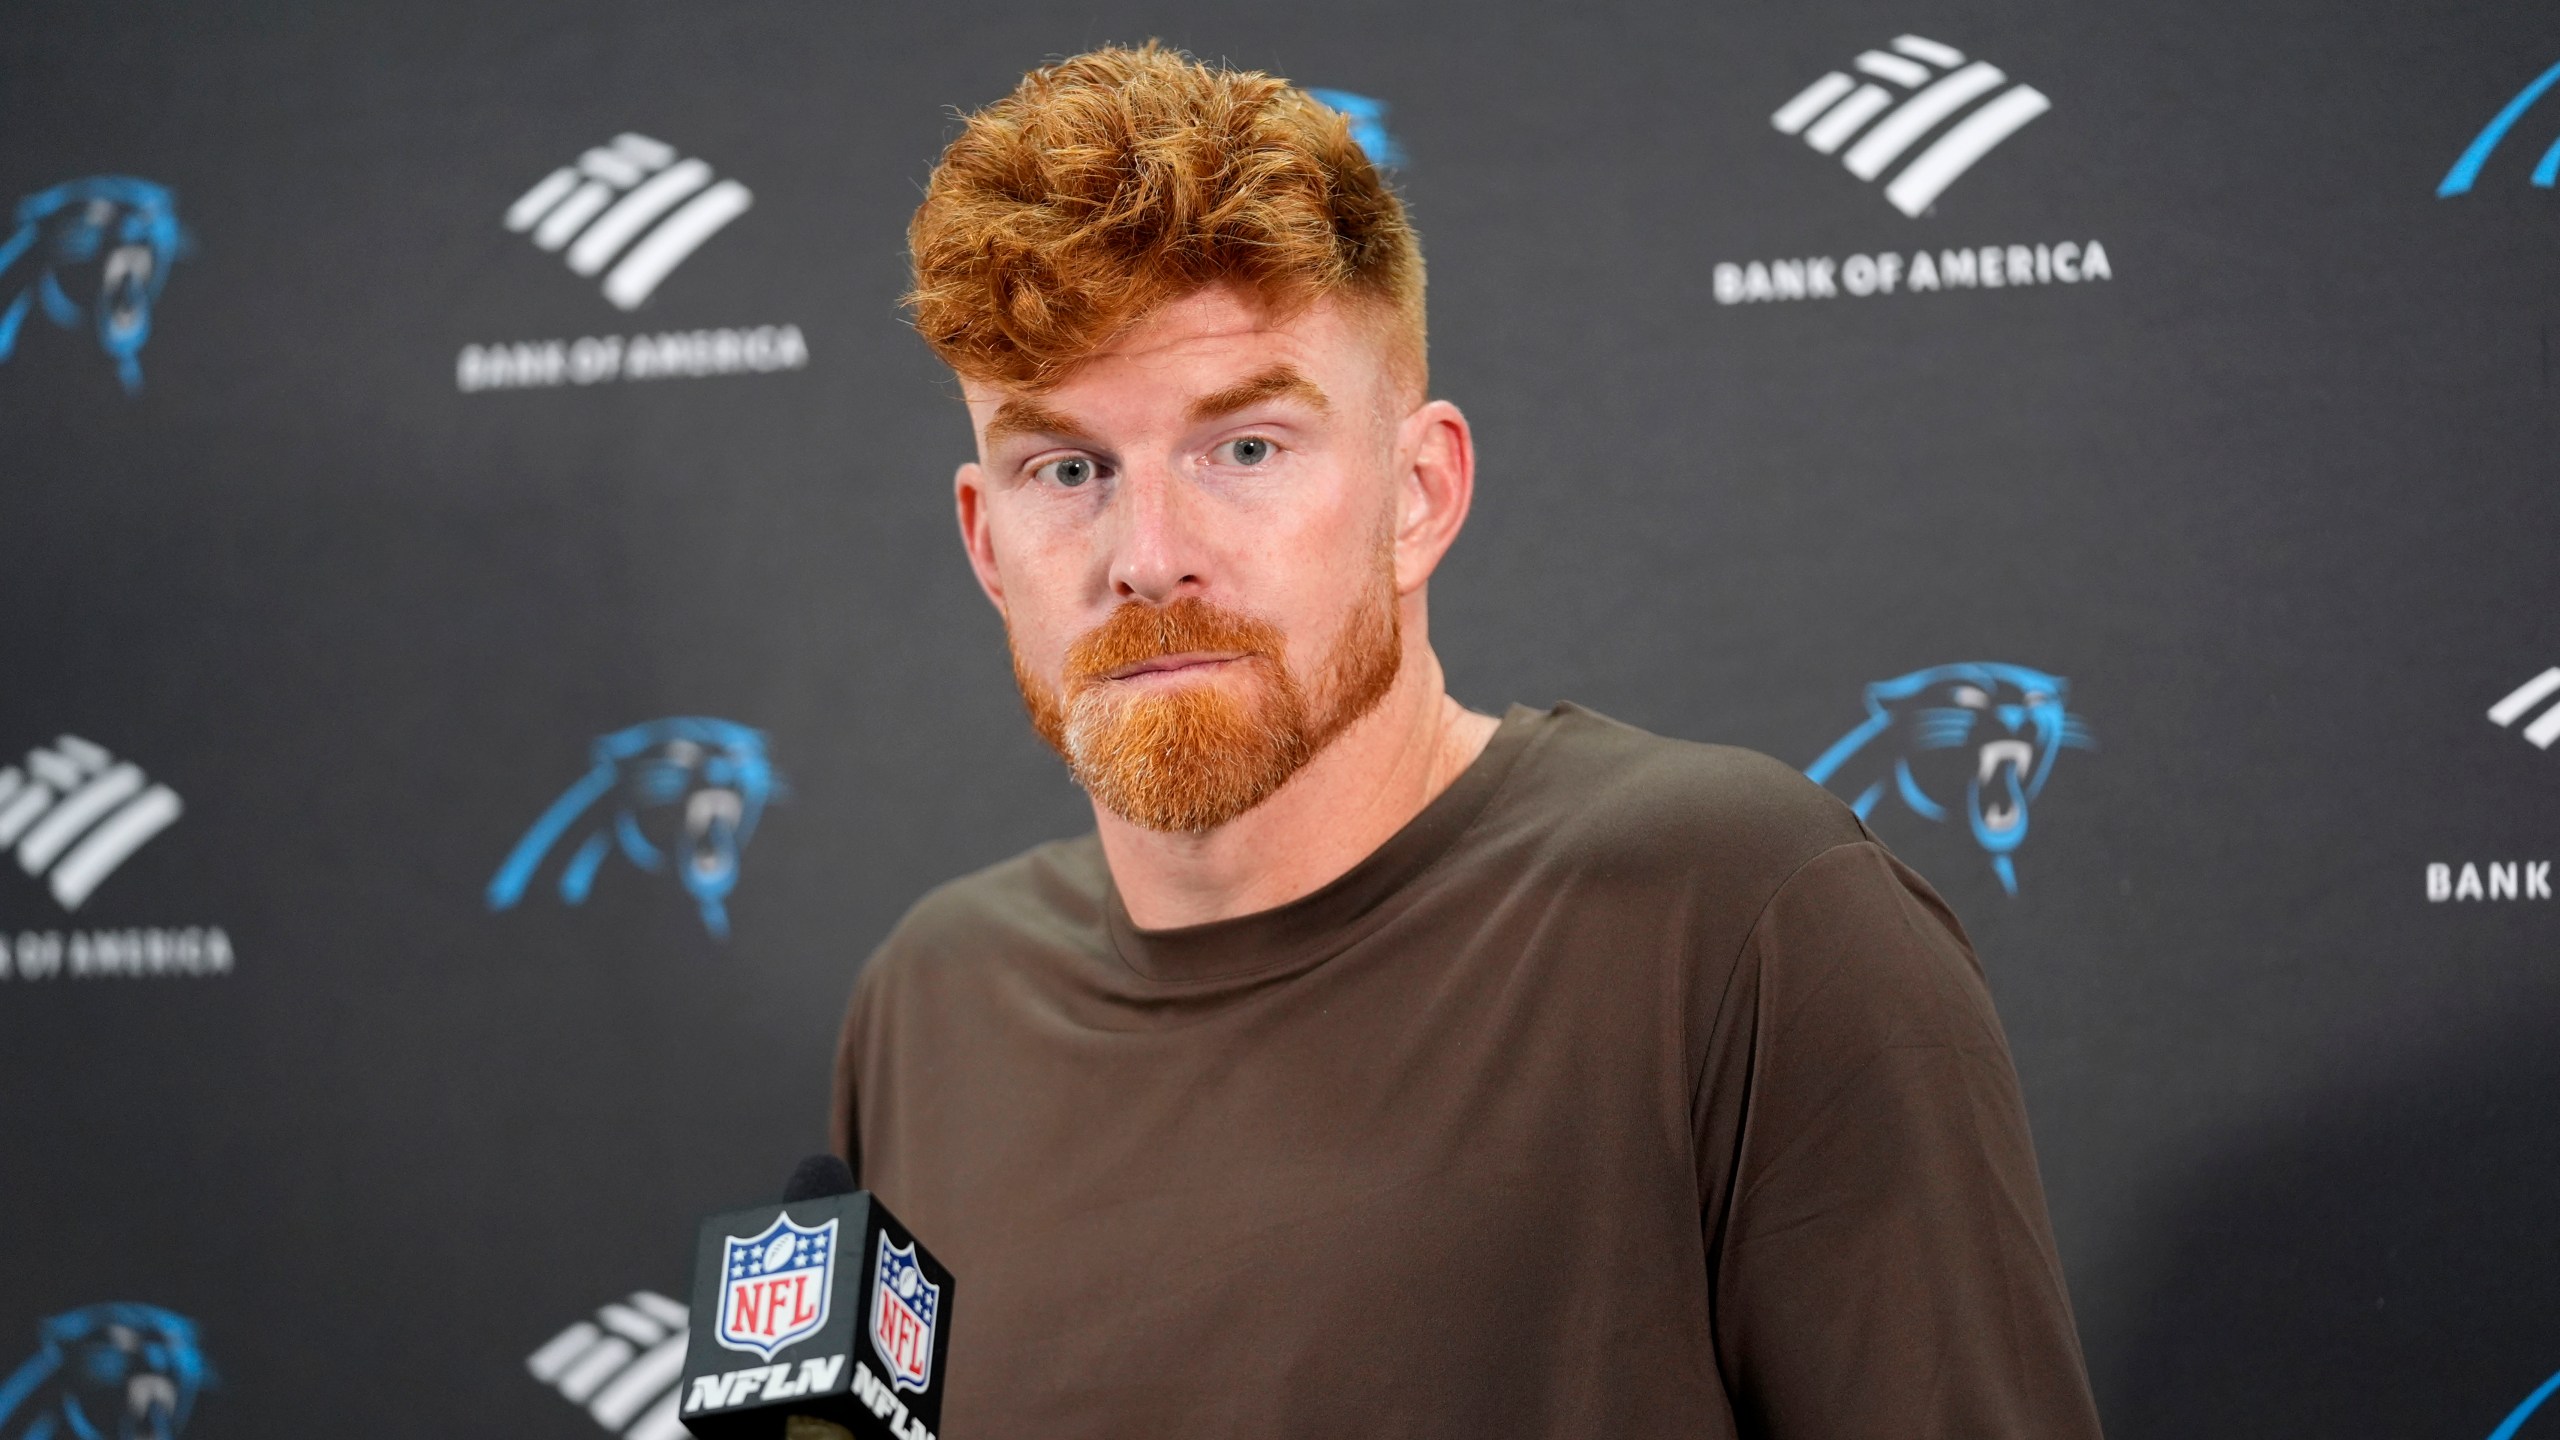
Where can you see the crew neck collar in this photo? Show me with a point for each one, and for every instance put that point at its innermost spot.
(1318, 925)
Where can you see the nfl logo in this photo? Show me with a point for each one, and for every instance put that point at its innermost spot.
(774, 1286)
(902, 1311)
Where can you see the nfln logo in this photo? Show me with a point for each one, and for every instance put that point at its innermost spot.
(775, 1286)
(902, 1313)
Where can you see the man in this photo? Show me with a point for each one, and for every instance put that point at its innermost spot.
(1378, 1066)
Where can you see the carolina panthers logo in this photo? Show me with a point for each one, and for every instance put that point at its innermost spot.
(1368, 125)
(681, 794)
(1989, 731)
(106, 1372)
(127, 229)
(2515, 1426)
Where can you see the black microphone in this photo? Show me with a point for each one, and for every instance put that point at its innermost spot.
(816, 1178)
(832, 1278)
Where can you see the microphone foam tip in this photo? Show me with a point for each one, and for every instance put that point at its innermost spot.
(816, 1178)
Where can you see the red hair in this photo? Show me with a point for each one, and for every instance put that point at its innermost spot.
(1111, 183)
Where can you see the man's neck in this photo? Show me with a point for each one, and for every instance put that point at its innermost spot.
(1345, 803)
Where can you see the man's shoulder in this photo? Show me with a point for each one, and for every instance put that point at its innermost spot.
(1049, 896)
(1612, 795)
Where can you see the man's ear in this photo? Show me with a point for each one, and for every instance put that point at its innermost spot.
(977, 530)
(1437, 485)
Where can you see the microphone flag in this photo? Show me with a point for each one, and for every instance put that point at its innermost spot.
(825, 1308)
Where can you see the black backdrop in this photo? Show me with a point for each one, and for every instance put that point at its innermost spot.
(2274, 495)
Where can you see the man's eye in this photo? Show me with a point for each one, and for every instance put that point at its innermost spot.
(1070, 472)
(1251, 450)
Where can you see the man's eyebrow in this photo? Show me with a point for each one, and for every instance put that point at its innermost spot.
(1019, 416)
(1271, 384)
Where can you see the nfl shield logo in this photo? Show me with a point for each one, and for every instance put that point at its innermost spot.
(774, 1286)
(902, 1310)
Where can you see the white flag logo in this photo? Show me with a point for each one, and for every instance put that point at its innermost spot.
(622, 1366)
(631, 205)
(1933, 83)
(75, 813)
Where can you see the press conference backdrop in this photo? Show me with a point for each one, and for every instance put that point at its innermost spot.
(487, 654)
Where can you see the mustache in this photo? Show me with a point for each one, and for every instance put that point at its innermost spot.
(1138, 632)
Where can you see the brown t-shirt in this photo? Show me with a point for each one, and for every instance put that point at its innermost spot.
(1632, 1089)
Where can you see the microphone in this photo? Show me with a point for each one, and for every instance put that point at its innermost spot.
(816, 1178)
(820, 1318)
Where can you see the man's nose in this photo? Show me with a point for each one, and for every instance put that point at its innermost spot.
(1156, 544)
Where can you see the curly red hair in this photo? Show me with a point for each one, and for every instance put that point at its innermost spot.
(1111, 183)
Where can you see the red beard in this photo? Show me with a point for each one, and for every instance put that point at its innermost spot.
(1192, 759)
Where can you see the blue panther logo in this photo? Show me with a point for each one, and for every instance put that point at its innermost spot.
(685, 792)
(2466, 166)
(2514, 1424)
(128, 228)
(106, 1372)
(2006, 722)
(1368, 125)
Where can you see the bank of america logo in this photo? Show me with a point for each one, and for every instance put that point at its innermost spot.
(631, 205)
(622, 1366)
(2466, 168)
(75, 813)
(1933, 84)
(2524, 700)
